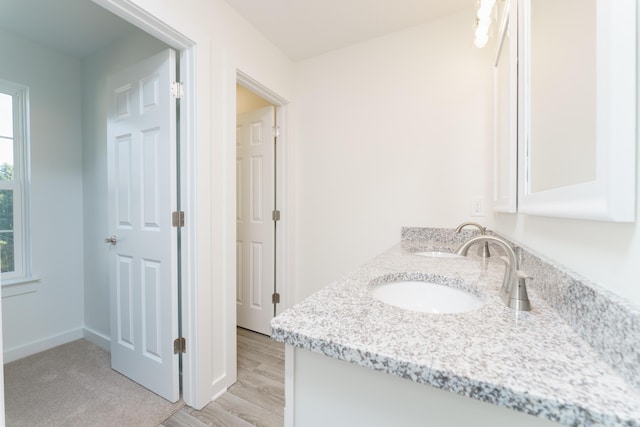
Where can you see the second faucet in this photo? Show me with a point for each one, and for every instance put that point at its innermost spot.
(483, 251)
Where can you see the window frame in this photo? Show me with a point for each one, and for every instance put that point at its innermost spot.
(20, 185)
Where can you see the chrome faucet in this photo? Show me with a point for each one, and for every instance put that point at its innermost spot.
(483, 250)
(514, 288)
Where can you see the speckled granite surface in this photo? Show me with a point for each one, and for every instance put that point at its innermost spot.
(609, 324)
(531, 362)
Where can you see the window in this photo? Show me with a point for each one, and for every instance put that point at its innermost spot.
(14, 167)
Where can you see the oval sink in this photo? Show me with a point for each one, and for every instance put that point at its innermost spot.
(438, 254)
(426, 297)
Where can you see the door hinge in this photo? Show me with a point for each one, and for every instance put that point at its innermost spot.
(177, 219)
(276, 131)
(275, 298)
(177, 90)
(275, 215)
(179, 345)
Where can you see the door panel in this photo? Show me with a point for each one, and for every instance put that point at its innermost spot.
(124, 304)
(142, 195)
(255, 228)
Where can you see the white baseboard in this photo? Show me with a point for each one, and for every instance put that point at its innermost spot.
(97, 338)
(16, 353)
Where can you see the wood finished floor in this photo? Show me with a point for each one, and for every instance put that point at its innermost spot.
(256, 399)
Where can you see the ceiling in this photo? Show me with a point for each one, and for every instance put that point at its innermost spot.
(306, 28)
(76, 27)
(299, 28)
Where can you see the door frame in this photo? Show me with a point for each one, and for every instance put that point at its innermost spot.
(284, 189)
(193, 393)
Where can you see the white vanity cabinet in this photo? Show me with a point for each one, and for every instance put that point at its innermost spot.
(322, 391)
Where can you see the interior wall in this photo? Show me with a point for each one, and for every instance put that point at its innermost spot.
(224, 43)
(606, 253)
(52, 312)
(233, 41)
(248, 101)
(391, 132)
(121, 54)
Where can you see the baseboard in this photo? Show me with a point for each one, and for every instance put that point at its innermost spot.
(41, 345)
(97, 338)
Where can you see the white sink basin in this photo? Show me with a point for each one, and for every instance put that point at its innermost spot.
(426, 297)
(438, 254)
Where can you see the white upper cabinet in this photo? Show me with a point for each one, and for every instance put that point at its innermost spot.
(576, 110)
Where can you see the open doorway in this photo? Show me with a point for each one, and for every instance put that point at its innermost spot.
(261, 246)
(256, 229)
(67, 298)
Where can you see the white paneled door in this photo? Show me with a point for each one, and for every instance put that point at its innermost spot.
(255, 178)
(141, 151)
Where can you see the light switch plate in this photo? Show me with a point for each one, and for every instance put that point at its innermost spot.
(477, 206)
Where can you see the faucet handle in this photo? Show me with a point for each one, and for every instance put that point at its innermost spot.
(519, 298)
(522, 275)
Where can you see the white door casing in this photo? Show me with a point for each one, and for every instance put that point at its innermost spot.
(255, 198)
(142, 171)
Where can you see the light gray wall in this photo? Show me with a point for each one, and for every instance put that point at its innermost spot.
(54, 310)
(125, 52)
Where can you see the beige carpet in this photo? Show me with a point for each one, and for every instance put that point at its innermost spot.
(74, 385)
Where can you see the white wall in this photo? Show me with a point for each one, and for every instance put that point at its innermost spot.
(606, 253)
(391, 132)
(233, 42)
(603, 252)
(52, 313)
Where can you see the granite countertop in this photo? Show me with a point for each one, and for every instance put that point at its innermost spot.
(532, 362)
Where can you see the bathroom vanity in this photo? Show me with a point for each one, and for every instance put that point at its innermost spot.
(354, 360)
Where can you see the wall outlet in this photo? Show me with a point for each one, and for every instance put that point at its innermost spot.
(477, 206)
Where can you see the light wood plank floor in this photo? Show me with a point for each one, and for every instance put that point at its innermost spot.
(256, 399)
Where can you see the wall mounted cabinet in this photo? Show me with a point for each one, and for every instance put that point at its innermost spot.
(576, 110)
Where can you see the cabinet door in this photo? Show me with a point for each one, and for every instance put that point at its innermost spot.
(505, 110)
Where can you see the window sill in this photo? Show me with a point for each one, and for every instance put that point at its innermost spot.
(19, 286)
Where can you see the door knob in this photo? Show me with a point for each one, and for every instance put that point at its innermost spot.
(112, 240)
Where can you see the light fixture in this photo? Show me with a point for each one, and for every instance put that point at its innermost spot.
(484, 18)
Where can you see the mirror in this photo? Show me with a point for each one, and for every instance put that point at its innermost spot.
(505, 109)
(577, 109)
